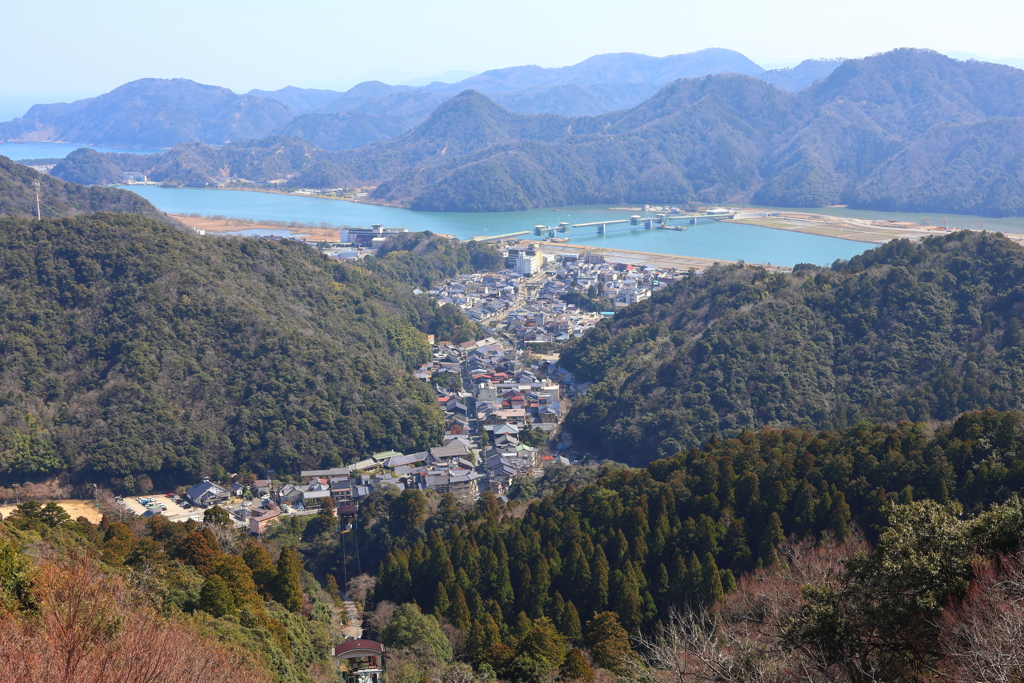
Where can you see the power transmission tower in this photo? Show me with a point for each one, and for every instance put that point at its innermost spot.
(38, 185)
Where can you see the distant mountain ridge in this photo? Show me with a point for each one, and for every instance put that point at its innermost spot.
(300, 99)
(163, 113)
(908, 129)
(151, 112)
(904, 130)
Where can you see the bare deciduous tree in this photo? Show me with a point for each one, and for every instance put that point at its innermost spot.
(742, 639)
(694, 646)
(983, 636)
(360, 586)
(377, 619)
(91, 628)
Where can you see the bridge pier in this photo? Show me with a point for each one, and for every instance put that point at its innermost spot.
(602, 228)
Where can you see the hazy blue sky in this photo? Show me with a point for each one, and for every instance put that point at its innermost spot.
(69, 48)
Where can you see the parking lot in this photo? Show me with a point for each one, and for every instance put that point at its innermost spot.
(174, 511)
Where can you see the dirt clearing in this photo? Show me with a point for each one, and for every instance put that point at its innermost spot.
(75, 508)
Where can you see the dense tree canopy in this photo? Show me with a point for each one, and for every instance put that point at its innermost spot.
(638, 544)
(132, 347)
(906, 331)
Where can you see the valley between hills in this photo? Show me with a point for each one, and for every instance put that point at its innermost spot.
(352, 454)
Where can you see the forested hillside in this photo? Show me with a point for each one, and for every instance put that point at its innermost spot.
(58, 198)
(616, 553)
(904, 331)
(133, 347)
(86, 166)
(162, 601)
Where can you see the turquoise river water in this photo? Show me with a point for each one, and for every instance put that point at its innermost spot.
(725, 241)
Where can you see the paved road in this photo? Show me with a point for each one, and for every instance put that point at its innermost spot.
(354, 627)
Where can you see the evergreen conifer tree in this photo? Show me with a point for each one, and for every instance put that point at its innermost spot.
(770, 540)
(215, 598)
(522, 625)
(442, 605)
(238, 578)
(839, 516)
(196, 551)
(608, 642)
(459, 611)
(575, 667)
(287, 589)
(599, 575)
(711, 588)
(259, 562)
(572, 630)
(333, 590)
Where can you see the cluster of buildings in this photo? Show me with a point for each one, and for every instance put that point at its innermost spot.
(499, 400)
(450, 468)
(622, 283)
(482, 296)
(528, 302)
(507, 402)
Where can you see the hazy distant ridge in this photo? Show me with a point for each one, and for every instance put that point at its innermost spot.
(163, 113)
(908, 129)
(151, 112)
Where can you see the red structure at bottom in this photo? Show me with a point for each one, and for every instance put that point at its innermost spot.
(362, 661)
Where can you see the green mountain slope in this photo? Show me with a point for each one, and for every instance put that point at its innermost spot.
(622, 539)
(129, 346)
(903, 331)
(87, 167)
(967, 169)
(58, 198)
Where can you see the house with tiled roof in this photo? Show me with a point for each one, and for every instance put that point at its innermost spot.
(207, 493)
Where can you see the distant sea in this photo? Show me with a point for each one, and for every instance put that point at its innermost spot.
(725, 241)
(56, 150)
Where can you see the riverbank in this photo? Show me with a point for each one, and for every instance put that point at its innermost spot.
(359, 195)
(235, 226)
(853, 229)
(636, 258)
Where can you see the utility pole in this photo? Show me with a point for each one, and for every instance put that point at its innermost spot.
(38, 185)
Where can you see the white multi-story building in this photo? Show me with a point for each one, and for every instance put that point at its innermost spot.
(528, 262)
